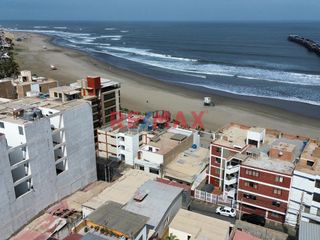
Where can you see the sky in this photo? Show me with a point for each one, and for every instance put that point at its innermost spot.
(161, 10)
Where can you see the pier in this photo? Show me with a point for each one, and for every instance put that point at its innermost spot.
(311, 45)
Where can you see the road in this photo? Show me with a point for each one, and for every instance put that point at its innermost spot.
(208, 209)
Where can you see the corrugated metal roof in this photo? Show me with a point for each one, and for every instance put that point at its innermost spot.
(309, 231)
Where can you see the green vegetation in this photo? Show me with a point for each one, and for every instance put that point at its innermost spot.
(172, 237)
(8, 67)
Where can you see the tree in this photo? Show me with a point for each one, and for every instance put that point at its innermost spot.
(172, 237)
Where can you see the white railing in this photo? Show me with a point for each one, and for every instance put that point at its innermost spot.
(212, 198)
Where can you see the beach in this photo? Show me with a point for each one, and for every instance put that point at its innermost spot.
(140, 93)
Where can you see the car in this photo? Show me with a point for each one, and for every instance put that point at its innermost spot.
(226, 211)
(253, 218)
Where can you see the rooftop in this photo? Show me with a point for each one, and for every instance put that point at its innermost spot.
(156, 202)
(309, 231)
(311, 153)
(266, 163)
(167, 140)
(69, 90)
(122, 190)
(188, 164)
(200, 226)
(233, 135)
(7, 109)
(112, 216)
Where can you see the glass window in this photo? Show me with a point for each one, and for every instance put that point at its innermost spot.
(317, 183)
(279, 179)
(316, 197)
(20, 130)
(277, 191)
(1, 125)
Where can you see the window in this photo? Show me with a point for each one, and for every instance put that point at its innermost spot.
(20, 130)
(277, 191)
(306, 209)
(252, 173)
(316, 197)
(274, 214)
(1, 125)
(251, 184)
(249, 196)
(217, 171)
(154, 171)
(55, 94)
(310, 163)
(318, 212)
(276, 203)
(218, 160)
(317, 183)
(279, 179)
(140, 138)
(141, 168)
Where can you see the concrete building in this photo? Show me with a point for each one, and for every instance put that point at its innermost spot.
(122, 143)
(265, 176)
(309, 231)
(103, 94)
(163, 147)
(189, 167)
(304, 202)
(7, 90)
(46, 152)
(189, 225)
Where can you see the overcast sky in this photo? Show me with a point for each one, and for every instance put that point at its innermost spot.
(159, 10)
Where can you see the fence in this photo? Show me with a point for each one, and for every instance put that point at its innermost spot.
(212, 198)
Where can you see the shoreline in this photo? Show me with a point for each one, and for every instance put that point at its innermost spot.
(136, 90)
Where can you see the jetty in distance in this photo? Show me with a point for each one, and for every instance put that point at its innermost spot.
(311, 45)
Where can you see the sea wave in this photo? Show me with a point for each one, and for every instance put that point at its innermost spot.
(192, 66)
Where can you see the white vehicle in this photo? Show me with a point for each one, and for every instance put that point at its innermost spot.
(226, 211)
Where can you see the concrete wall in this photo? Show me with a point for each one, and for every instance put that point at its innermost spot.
(48, 187)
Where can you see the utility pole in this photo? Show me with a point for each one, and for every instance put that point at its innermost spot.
(300, 210)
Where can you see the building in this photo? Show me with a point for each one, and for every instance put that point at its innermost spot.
(190, 225)
(122, 143)
(103, 94)
(28, 85)
(162, 147)
(121, 191)
(7, 90)
(157, 201)
(304, 202)
(265, 176)
(189, 167)
(47, 152)
(112, 218)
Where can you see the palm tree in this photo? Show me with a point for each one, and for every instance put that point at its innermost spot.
(172, 237)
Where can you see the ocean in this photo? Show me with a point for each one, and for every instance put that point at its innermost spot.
(253, 60)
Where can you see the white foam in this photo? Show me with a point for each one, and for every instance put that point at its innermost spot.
(109, 29)
(60, 28)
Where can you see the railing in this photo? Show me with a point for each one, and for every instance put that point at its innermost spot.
(232, 170)
(212, 198)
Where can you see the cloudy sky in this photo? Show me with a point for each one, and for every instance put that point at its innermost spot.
(161, 10)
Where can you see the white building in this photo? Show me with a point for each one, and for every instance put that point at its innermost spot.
(304, 202)
(47, 152)
(122, 143)
(163, 147)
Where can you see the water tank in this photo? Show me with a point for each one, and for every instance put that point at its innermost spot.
(38, 113)
(28, 115)
(194, 146)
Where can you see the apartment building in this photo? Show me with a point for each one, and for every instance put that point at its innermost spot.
(103, 94)
(122, 143)
(162, 147)
(266, 174)
(47, 152)
(304, 202)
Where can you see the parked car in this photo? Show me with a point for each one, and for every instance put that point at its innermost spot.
(226, 211)
(253, 218)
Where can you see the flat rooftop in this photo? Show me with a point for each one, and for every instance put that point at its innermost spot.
(167, 140)
(122, 190)
(274, 165)
(233, 135)
(200, 226)
(188, 165)
(112, 216)
(156, 202)
(310, 153)
(69, 90)
(7, 108)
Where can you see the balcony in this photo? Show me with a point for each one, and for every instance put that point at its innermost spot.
(231, 180)
(232, 169)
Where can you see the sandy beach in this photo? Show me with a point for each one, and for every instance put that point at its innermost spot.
(143, 94)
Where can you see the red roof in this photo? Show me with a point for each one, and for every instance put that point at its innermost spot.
(240, 235)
